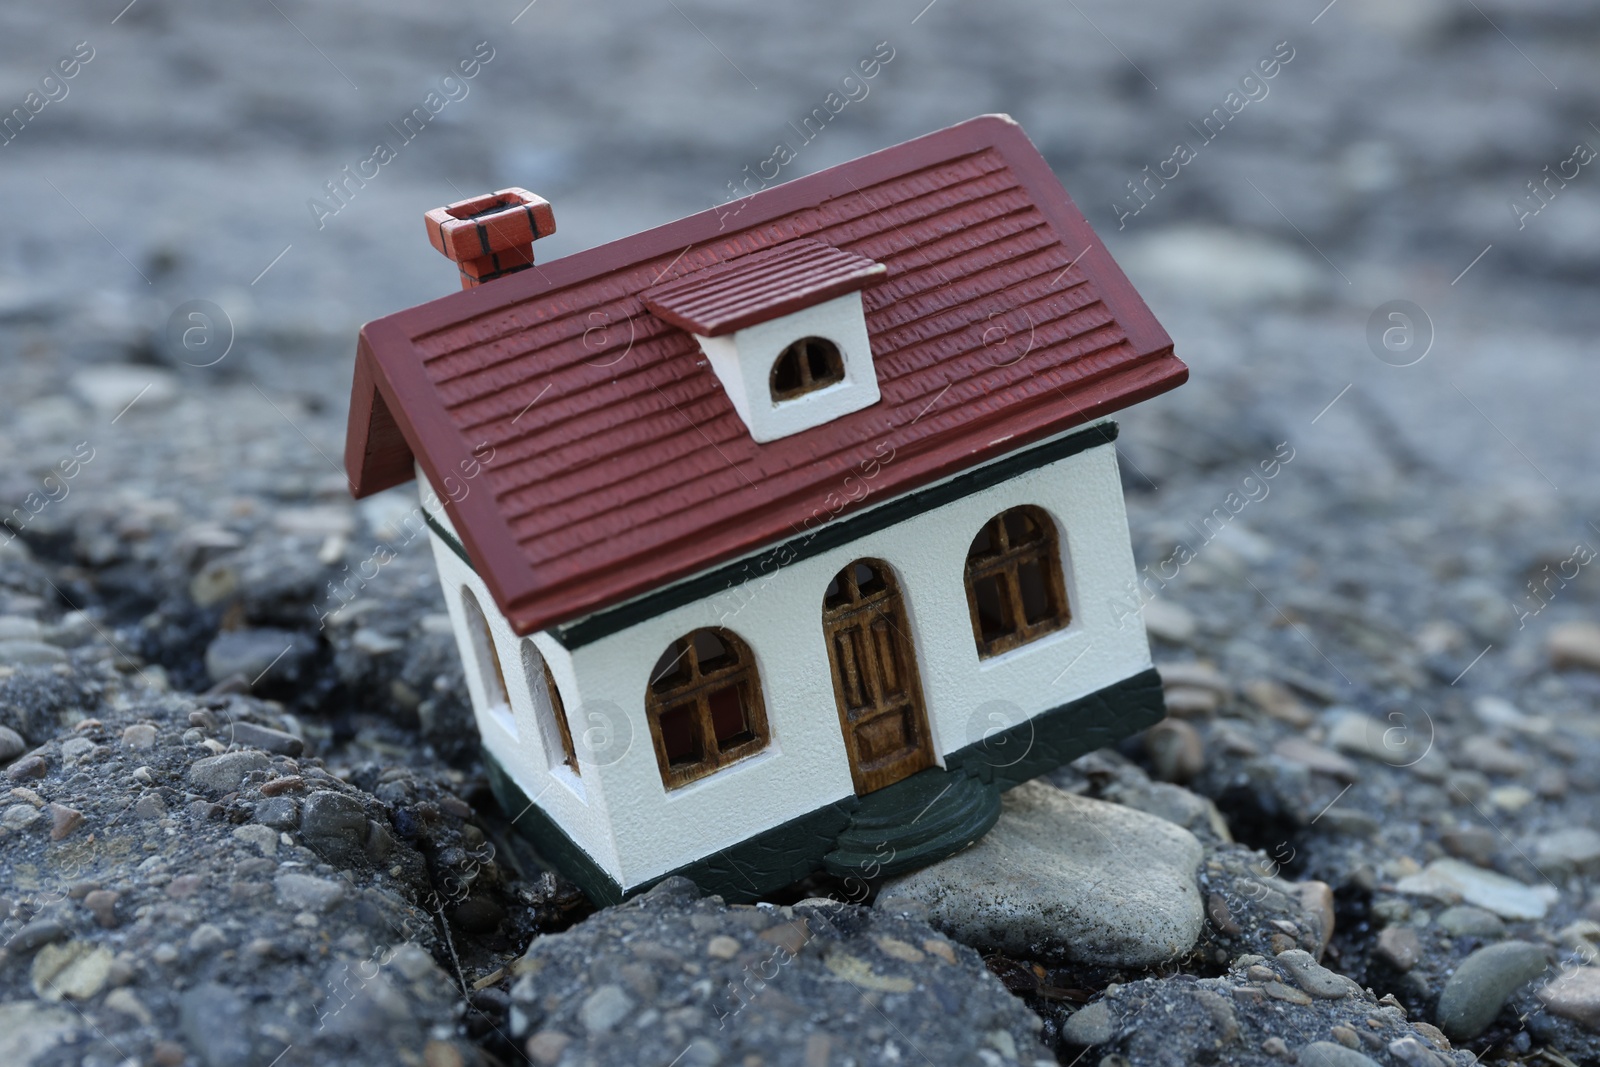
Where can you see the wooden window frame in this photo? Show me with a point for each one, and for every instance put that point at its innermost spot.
(695, 691)
(556, 709)
(1002, 563)
(800, 351)
(486, 660)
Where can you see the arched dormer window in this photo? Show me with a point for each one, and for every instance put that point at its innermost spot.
(809, 364)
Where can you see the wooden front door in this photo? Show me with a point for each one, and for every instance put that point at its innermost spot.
(875, 676)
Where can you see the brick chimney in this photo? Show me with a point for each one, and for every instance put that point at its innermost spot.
(491, 235)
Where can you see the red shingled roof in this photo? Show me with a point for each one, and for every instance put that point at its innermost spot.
(763, 285)
(619, 464)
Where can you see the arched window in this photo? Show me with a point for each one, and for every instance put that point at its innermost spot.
(548, 710)
(1014, 585)
(486, 658)
(704, 704)
(805, 366)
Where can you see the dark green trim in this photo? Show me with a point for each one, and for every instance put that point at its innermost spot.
(565, 854)
(1041, 744)
(787, 853)
(826, 537)
(773, 858)
(447, 538)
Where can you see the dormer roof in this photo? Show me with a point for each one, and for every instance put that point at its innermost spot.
(761, 286)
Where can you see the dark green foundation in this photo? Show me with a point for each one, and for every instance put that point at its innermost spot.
(920, 819)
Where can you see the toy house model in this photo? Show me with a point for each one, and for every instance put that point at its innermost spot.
(784, 537)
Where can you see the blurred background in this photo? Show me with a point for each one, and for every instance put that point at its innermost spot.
(184, 159)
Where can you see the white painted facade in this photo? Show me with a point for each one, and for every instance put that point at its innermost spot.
(618, 809)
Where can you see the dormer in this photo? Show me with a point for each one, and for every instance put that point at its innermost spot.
(784, 330)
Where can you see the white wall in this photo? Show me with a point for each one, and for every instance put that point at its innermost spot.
(575, 801)
(651, 830)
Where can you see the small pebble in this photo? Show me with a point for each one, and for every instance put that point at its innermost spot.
(722, 947)
(11, 744)
(102, 904)
(546, 1046)
(63, 820)
(1275, 1046)
(1575, 995)
(605, 1008)
(1316, 979)
(169, 1054)
(27, 767)
(1279, 991)
(1221, 916)
(35, 935)
(1463, 920)
(1328, 1054)
(139, 735)
(1399, 946)
(1093, 1024)
(1176, 750)
(1574, 644)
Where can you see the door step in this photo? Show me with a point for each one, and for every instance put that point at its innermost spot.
(932, 814)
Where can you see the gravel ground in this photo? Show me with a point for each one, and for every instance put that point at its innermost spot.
(245, 821)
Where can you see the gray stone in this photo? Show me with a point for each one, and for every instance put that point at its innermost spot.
(1493, 756)
(1573, 849)
(1463, 920)
(29, 1030)
(307, 892)
(74, 749)
(76, 969)
(1314, 978)
(280, 813)
(1475, 844)
(1400, 946)
(1483, 983)
(1168, 621)
(264, 838)
(111, 387)
(22, 653)
(224, 773)
(1574, 644)
(11, 744)
(1451, 880)
(1065, 876)
(139, 735)
(34, 936)
(1093, 1024)
(214, 1021)
(253, 736)
(1412, 1052)
(604, 1008)
(1388, 742)
(1333, 1054)
(1176, 750)
(1575, 995)
(264, 655)
(335, 825)
(13, 627)
(20, 816)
